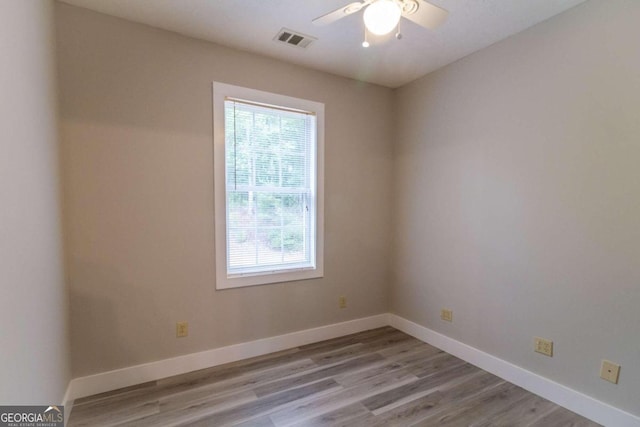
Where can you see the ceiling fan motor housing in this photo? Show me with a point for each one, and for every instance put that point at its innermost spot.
(409, 6)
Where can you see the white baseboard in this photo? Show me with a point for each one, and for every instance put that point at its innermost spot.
(573, 400)
(67, 403)
(125, 377)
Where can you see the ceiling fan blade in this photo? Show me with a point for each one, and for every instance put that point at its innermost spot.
(424, 13)
(338, 13)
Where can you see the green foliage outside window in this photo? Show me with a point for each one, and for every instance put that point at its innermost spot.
(266, 151)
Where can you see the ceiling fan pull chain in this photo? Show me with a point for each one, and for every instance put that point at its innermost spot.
(365, 43)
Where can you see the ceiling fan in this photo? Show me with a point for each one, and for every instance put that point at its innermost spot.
(382, 16)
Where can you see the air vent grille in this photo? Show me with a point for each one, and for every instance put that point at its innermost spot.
(294, 38)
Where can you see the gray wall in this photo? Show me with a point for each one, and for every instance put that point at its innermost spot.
(515, 182)
(517, 186)
(136, 124)
(34, 365)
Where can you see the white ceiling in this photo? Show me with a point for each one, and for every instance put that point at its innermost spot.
(251, 25)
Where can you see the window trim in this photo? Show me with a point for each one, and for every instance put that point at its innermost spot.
(221, 91)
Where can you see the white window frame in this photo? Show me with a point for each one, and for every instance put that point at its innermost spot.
(221, 91)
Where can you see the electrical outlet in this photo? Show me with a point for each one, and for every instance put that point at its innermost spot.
(543, 346)
(342, 302)
(182, 329)
(446, 315)
(610, 371)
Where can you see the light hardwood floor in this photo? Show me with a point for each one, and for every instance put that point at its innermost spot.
(380, 377)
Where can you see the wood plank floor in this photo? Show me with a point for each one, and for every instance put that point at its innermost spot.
(380, 377)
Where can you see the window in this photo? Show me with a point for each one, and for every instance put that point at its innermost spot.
(268, 162)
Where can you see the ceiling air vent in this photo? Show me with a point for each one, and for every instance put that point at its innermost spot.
(294, 38)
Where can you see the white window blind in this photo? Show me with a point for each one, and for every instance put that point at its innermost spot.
(270, 188)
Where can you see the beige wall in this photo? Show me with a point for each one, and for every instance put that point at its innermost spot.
(138, 174)
(34, 364)
(515, 178)
(517, 182)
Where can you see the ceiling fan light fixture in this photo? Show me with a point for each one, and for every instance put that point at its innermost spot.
(382, 16)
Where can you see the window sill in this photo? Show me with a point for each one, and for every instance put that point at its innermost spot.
(225, 281)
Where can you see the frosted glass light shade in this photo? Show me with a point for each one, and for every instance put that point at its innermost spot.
(382, 16)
